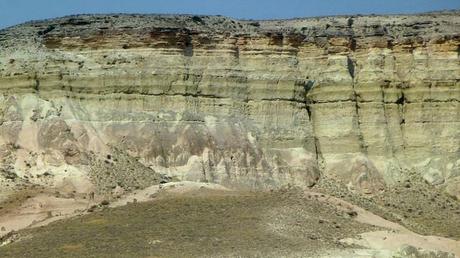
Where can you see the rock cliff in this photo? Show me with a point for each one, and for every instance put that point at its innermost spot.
(117, 102)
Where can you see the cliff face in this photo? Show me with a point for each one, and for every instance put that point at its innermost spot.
(95, 100)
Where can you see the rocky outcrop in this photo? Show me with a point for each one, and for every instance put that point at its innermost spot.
(242, 103)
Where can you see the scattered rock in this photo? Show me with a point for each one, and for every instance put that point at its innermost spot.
(433, 177)
(410, 251)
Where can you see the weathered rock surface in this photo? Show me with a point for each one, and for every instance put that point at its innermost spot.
(240, 103)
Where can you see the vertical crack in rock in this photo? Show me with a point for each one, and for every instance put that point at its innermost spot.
(351, 65)
(389, 141)
(308, 86)
(188, 46)
(350, 22)
(352, 40)
(401, 101)
(351, 69)
(318, 153)
(307, 107)
(237, 52)
(36, 84)
(401, 110)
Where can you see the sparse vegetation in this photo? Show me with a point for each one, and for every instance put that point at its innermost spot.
(197, 225)
(421, 208)
(197, 19)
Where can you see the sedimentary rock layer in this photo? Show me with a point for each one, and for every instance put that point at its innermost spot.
(244, 103)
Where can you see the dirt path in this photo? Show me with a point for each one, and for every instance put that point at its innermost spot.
(392, 239)
(40, 210)
(44, 208)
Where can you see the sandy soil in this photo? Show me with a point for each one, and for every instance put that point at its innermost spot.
(395, 237)
(387, 238)
(41, 210)
(151, 192)
(45, 208)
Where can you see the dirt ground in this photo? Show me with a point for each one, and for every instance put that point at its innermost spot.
(186, 219)
(204, 223)
(413, 203)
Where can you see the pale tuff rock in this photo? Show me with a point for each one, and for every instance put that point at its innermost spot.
(247, 104)
(410, 251)
(433, 177)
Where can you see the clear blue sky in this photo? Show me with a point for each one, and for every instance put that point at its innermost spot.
(16, 11)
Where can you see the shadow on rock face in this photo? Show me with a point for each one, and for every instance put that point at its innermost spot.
(226, 152)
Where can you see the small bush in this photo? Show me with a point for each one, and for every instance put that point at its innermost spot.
(197, 19)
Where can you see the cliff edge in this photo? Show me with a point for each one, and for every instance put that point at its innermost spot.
(120, 102)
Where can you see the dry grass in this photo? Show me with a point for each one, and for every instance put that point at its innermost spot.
(209, 223)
